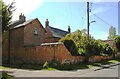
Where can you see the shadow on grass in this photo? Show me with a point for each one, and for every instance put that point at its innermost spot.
(69, 67)
(72, 67)
(24, 66)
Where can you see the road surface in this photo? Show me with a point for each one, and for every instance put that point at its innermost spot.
(106, 72)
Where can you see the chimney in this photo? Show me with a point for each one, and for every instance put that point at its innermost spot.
(69, 30)
(46, 23)
(22, 17)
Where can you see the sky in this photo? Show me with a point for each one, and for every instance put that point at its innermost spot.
(64, 13)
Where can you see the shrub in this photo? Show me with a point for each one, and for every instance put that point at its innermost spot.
(78, 44)
(69, 44)
(117, 42)
(107, 49)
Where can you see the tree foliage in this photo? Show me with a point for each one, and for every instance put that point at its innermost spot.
(78, 44)
(7, 11)
(117, 42)
(70, 44)
(112, 33)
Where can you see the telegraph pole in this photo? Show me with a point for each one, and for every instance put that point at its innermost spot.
(88, 24)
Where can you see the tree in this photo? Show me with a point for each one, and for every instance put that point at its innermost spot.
(7, 11)
(117, 42)
(6, 16)
(112, 33)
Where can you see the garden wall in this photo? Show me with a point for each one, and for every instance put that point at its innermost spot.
(99, 58)
(43, 53)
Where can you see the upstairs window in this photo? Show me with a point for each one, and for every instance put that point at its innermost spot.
(36, 31)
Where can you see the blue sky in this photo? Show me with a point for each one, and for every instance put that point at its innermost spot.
(62, 14)
(73, 14)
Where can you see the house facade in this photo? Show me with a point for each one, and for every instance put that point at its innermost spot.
(30, 42)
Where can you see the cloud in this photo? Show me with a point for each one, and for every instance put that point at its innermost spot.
(99, 10)
(24, 6)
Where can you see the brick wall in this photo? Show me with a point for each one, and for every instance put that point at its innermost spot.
(43, 53)
(5, 44)
(49, 52)
(16, 42)
(34, 39)
(99, 58)
(51, 39)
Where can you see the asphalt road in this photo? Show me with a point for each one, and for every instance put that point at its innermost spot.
(106, 72)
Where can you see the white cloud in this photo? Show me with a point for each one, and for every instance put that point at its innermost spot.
(24, 6)
(99, 10)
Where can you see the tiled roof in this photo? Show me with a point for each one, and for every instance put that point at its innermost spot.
(22, 24)
(57, 32)
(15, 23)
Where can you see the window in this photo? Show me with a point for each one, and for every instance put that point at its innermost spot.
(36, 31)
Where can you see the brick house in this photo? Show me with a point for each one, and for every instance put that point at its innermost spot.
(30, 32)
(54, 34)
(26, 38)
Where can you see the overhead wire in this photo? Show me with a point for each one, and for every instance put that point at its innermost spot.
(101, 19)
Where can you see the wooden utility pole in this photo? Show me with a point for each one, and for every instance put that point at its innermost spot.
(88, 19)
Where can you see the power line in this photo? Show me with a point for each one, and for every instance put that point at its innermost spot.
(102, 19)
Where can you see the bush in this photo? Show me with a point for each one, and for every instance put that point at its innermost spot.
(78, 44)
(69, 44)
(107, 49)
(117, 42)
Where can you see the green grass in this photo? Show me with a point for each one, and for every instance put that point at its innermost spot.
(6, 76)
(90, 66)
(99, 64)
(48, 69)
(2, 67)
(113, 61)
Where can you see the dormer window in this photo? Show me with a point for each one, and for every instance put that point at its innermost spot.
(36, 31)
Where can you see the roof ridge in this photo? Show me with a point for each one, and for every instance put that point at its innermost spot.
(24, 23)
(57, 29)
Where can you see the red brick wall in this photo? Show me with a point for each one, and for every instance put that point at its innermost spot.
(4, 47)
(16, 42)
(16, 38)
(99, 58)
(43, 53)
(52, 39)
(29, 37)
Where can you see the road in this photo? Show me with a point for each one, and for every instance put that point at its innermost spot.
(107, 72)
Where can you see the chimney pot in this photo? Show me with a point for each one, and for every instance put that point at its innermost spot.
(69, 30)
(46, 23)
(22, 17)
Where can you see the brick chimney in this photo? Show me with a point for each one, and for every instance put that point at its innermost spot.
(69, 30)
(46, 23)
(22, 17)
